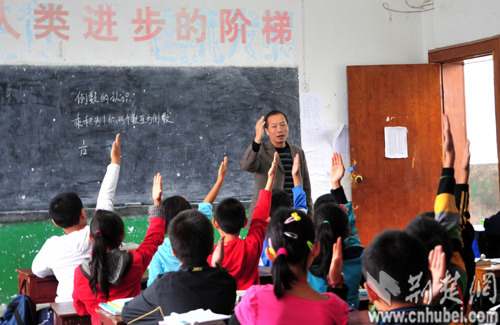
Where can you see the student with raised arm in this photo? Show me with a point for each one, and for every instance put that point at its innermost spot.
(60, 255)
(241, 256)
(441, 227)
(111, 273)
(281, 199)
(164, 260)
(466, 229)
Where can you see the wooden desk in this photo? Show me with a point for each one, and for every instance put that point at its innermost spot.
(44, 290)
(483, 269)
(106, 318)
(65, 314)
(358, 318)
(40, 290)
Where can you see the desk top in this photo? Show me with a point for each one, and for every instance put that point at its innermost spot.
(109, 319)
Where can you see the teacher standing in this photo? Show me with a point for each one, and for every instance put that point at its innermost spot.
(259, 156)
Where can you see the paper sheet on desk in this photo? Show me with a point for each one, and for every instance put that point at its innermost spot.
(197, 316)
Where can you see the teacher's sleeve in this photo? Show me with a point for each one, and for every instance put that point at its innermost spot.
(251, 160)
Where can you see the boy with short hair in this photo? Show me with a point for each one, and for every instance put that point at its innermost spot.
(241, 257)
(195, 285)
(388, 283)
(60, 255)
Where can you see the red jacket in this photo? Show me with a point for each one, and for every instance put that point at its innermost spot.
(241, 256)
(85, 302)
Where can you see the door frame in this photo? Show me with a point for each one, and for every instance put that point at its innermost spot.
(460, 52)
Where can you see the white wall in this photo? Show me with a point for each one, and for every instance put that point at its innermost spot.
(460, 21)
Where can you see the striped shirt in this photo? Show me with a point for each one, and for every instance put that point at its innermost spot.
(287, 162)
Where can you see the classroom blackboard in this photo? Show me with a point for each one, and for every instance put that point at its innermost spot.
(57, 125)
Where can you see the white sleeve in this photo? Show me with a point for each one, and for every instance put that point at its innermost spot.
(106, 198)
(40, 266)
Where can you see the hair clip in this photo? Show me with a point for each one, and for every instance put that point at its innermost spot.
(294, 217)
(310, 245)
(291, 235)
(97, 232)
(271, 250)
(282, 251)
(345, 208)
(326, 221)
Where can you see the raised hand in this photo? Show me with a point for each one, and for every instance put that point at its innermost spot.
(157, 189)
(271, 174)
(222, 170)
(218, 255)
(337, 170)
(437, 266)
(448, 147)
(259, 130)
(335, 272)
(116, 151)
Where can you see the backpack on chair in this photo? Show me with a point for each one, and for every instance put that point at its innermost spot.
(19, 311)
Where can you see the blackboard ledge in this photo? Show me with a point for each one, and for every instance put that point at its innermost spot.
(126, 210)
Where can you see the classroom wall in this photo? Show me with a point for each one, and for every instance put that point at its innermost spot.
(325, 37)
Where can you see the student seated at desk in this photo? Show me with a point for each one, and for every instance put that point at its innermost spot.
(164, 261)
(195, 285)
(60, 255)
(111, 273)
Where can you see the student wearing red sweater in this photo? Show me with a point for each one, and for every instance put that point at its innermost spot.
(110, 273)
(241, 256)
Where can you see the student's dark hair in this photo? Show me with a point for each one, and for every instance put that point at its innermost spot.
(230, 215)
(293, 237)
(401, 256)
(173, 205)
(280, 199)
(330, 221)
(272, 113)
(431, 233)
(325, 198)
(65, 209)
(107, 230)
(192, 237)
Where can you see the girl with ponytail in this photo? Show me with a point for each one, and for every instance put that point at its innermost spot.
(290, 299)
(111, 273)
(333, 221)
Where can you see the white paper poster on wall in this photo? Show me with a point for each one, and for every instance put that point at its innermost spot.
(396, 143)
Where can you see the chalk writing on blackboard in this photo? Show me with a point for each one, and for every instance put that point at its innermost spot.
(83, 149)
(94, 97)
(133, 119)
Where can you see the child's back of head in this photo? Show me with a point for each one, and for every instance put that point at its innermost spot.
(107, 231)
(325, 198)
(391, 260)
(192, 237)
(330, 221)
(291, 237)
(431, 233)
(280, 199)
(173, 205)
(65, 209)
(230, 215)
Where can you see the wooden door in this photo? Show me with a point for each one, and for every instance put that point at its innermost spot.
(394, 191)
